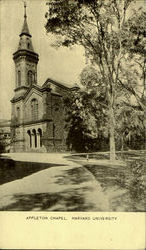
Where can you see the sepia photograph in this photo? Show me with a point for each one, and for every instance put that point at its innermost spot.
(72, 105)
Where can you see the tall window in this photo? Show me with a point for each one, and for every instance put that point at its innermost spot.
(19, 78)
(34, 109)
(30, 77)
(40, 137)
(34, 138)
(18, 114)
(30, 138)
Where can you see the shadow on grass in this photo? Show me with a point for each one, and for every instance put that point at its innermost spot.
(108, 176)
(74, 176)
(130, 178)
(72, 200)
(12, 170)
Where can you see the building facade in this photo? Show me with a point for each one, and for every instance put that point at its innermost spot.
(37, 121)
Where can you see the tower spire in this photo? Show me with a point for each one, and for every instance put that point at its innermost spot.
(25, 29)
(25, 16)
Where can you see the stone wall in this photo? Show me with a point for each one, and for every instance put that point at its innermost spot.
(45, 133)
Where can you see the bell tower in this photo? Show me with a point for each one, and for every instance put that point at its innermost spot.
(26, 60)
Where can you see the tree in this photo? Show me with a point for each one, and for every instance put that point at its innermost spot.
(130, 126)
(102, 28)
(137, 56)
(86, 113)
(87, 119)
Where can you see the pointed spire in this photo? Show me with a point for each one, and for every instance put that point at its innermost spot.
(25, 16)
(25, 29)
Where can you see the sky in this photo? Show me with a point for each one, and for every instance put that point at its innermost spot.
(62, 64)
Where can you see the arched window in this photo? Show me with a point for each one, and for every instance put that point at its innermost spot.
(34, 109)
(40, 137)
(18, 113)
(28, 45)
(30, 77)
(34, 138)
(30, 138)
(19, 78)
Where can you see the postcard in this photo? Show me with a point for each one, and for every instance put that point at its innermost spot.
(72, 124)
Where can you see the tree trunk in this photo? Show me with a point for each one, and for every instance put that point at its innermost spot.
(122, 142)
(112, 135)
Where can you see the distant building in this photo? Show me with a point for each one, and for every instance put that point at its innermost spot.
(37, 121)
(5, 135)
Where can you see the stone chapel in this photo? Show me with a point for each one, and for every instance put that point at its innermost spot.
(37, 120)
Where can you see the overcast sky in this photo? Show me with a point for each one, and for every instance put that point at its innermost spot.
(62, 64)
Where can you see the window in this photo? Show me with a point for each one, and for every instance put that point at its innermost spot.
(18, 113)
(19, 78)
(40, 137)
(34, 109)
(28, 45)
(30, 77)
(34, 138)
(30, 138)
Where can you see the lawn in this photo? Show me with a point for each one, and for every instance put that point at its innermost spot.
(124, 181)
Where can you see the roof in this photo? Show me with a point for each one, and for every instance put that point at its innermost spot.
(25, 29)
(60, 84)
(23, 95)
(44, 87)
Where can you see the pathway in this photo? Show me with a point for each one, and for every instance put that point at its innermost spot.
(66, 187)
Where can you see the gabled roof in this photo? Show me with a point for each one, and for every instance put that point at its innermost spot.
(33, 89)
(23, 96)
(60, 84)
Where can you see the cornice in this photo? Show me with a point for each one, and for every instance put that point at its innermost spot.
(31, 122)
(30, 54)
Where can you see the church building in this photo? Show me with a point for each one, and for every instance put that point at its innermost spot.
(37, 121)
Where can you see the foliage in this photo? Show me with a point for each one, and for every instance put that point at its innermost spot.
(86, 114)
(112, 35)
(2, 146)
(133, 180)
(130, 127)
(135, 183)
